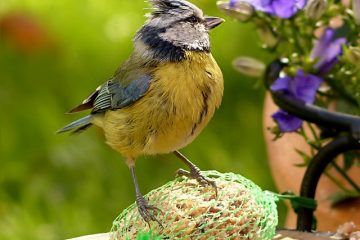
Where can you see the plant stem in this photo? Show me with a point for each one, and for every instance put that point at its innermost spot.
(337, 182)
(313, 131)
(294, 32)
(333, 163)
(346, 176)
(316, 146)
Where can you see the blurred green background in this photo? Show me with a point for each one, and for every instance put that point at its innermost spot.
(53, 53)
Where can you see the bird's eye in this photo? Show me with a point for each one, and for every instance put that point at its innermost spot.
(193, 19)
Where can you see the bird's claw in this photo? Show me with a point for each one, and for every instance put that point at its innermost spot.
(144, 210)
(201, 179)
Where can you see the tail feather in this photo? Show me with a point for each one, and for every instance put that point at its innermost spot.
(77, 126)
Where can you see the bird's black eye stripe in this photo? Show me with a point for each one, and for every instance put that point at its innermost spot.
(192, 19)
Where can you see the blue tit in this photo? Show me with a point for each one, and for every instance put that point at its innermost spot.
(163, 96)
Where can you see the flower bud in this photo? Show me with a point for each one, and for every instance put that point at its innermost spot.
(242, 11)
(353, 55)
(267, 36)
(356, 10)
(315, 9)
(249, 66)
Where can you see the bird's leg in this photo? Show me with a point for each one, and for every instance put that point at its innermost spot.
(194, 172)
(142, 203)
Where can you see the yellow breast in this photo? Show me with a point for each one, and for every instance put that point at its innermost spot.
(179, 103)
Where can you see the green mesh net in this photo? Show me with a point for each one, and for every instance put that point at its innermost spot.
(190, 211)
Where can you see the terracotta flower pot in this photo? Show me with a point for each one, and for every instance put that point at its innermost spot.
(283, 157)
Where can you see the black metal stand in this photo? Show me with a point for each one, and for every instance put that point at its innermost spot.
(347, 137)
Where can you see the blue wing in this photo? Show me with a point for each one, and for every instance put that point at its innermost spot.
(112, 95)
(129, 83)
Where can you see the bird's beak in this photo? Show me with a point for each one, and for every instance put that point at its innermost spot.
(212, 22)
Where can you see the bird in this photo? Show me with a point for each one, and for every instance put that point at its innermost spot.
(162, 96)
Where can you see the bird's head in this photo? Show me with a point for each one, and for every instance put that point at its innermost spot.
(175, 26)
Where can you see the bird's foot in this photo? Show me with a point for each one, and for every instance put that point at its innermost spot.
(201, 179)
(147, 211)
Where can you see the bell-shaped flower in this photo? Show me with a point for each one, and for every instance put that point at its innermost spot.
(302, 87)
(287, 122)
(326, 51)
(281, 8)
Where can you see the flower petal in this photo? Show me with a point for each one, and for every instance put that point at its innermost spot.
(321, 45)
(259, 5)
(305, 86)
(334, 49)
(326, 51)
(265, 2)
(280, 8)
(284, 8)
(301, 3)
(281, 84)
(287, 122)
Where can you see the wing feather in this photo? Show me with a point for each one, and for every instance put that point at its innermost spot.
(87, 103)
(129, 83)
(114, 96)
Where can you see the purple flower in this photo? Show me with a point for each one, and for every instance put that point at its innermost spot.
(302, 87)
(286, 122)
(327, 50)
(280, 8)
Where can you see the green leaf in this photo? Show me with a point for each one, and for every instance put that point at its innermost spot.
(350, 159)
(297, 201)
(340, 197)
(305, 157)
(276, 132)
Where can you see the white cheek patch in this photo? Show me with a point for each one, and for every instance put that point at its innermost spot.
(193, 37)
